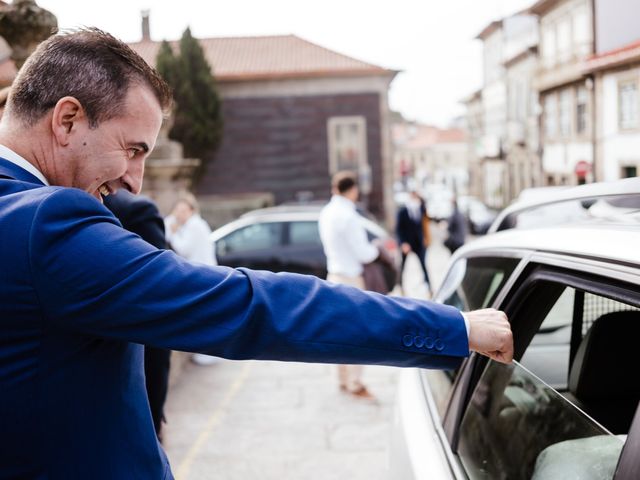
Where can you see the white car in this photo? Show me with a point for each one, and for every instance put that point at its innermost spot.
(547, 206)
(568, 405)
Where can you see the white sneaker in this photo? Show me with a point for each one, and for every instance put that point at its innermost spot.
(202, 359)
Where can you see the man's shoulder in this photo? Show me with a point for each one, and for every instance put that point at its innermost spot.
(59, 203)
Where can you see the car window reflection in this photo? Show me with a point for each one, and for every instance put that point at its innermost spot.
(518, 427)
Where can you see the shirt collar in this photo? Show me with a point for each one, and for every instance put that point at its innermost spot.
(344, 201)
(16, 159)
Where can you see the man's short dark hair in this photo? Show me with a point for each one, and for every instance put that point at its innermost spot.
(344, 181)
(88, 64)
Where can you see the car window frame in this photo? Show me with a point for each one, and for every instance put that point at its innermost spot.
(572, 272)
(439, 421)
(523, 260)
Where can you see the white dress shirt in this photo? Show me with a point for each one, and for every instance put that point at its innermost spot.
(344, 238)
(191, 240)
(13, 157)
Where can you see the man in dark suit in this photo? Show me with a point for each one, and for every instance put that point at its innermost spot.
(410, 232)
(138, 214)
(80, 295)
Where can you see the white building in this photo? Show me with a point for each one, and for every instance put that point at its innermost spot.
(509, 144)
(566, 96)
(617, 80)
(522, 141)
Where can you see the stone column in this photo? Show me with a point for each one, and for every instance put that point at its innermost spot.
(167, 172)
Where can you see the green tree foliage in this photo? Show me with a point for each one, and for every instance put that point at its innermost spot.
(198, 116)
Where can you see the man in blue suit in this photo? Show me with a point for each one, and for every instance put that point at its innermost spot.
(79, 295)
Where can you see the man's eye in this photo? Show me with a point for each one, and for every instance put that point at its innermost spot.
(132, 152)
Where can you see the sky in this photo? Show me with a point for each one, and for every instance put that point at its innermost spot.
(430, 41)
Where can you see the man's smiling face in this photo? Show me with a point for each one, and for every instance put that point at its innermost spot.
(104, 159)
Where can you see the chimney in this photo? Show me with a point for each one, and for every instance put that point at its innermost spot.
(146, 35)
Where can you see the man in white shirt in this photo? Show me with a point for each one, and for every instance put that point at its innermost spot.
(347, 248)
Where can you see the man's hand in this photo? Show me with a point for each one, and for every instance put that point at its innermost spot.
(490, 334)
(406, 248)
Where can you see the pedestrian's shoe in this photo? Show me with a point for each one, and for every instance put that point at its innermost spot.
(358, 391)
(362, 392)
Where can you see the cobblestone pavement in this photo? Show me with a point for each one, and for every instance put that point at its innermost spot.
(272, 420)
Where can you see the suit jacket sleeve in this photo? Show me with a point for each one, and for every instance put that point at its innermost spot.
(94, 278)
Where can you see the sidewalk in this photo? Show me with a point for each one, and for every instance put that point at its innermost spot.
(272, 420)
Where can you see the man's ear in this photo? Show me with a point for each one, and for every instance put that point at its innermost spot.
(68, 115)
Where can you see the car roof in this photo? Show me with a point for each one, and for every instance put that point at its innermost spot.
(608, 240)
(552, 195)
(285, 209)
(285, 214)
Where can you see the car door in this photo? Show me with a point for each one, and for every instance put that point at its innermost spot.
(509, 422)
(257, 246)
(303, 251)
(419, 447)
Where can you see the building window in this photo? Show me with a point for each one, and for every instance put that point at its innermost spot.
(628, 104)
(629, 171)
(549, 45)
(550, 116)
(565, 112)
(564, 40)
(582, 98)
(347, 144)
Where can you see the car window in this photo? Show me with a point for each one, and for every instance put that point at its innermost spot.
(259, 236)
(518, 427)
(548, 354)
(473, 283)
(470, 284)
(304, 233)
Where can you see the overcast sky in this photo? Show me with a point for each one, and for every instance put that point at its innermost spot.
(430, 41)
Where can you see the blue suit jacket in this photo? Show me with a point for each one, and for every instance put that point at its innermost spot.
(79, 295)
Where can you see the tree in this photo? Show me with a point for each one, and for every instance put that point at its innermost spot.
(198, 115)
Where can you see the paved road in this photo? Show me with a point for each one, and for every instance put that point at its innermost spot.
(271, 420)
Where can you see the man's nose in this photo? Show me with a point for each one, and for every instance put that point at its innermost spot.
(133, 177)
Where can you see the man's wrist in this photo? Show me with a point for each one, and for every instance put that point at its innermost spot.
(466, 323)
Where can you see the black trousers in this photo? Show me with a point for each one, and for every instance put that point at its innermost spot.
(421, 256)
(156, 370)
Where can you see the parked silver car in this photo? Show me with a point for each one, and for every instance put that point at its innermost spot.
(568, 405)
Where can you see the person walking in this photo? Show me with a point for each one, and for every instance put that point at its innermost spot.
(347, 248)
(80, 296)
(410, 230)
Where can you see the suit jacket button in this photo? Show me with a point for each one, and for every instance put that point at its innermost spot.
(439, 345)
(418, 341)
(428, 342)
(407, 340)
